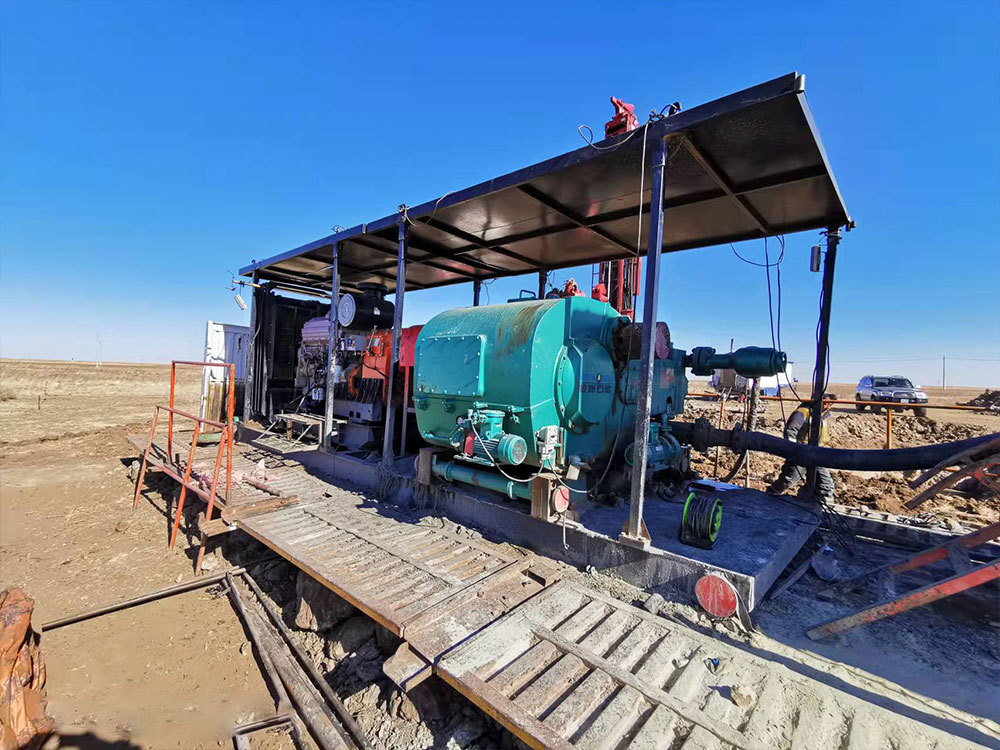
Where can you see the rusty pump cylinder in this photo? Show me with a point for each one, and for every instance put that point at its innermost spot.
(701, 435)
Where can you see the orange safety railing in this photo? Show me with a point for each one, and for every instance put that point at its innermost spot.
(171, 466)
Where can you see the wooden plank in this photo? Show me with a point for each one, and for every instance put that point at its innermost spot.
(685, 710)
(612, 720)
(568, 670)
(598, 686)
(514, 676)
(658, 730)
(397, 552)
(257, 508)
(527, 729)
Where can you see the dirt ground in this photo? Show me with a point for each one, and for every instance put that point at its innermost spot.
(178, 673)
(172, 669)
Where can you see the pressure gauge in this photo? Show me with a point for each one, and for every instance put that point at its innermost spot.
(347, 308)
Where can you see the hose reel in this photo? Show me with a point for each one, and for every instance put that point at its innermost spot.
(701, 521)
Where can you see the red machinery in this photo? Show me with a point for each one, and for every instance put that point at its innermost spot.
(624, 119)
(617, 281)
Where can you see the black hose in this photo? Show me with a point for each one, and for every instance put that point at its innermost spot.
(702, 435)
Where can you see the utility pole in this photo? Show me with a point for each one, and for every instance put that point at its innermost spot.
(943, 381)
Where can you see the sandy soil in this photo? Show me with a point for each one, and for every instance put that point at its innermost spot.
(166, 675)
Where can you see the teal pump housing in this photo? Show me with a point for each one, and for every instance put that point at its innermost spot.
(537, 382)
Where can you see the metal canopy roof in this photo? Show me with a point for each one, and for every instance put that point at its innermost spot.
(745, 166)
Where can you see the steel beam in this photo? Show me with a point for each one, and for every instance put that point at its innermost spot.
(397, 327)
(476, 243)
(568, 213)
(932, 592)
(331, 349)
(635, 532)
(723, 182)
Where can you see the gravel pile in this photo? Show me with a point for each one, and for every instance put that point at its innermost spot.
(989, 399)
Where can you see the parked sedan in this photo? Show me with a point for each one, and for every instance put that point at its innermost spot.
(891, 388)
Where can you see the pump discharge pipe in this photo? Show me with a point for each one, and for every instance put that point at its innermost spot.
(701, 435)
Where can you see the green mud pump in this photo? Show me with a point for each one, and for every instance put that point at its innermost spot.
(532, 386)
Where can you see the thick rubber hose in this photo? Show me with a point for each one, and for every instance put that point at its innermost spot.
(897, 459)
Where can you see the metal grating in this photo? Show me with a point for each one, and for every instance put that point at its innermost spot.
(391, 570)
(572, 668)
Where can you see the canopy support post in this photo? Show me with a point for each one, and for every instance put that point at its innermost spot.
(635, 533)
(331, 349)
(397, 327)
(822, 345)
(543, 280)
(477, 288)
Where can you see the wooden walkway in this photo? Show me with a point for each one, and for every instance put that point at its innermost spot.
(559, 664)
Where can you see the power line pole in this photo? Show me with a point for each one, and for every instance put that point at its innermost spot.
(943, 382)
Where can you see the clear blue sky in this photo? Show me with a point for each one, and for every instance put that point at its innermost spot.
(149, 148)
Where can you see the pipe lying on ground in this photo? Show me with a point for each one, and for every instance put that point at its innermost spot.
(152, 596)
(701, 435)
(318, 680)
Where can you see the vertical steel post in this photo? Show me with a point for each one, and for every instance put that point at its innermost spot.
(170, 414)
(635, 531)
(331, 348)
(822, 347)
(477, 288)
(249, 375)
(397, 326)
(823, 341)
(543, 280)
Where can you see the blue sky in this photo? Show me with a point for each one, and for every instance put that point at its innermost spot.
(149, 148)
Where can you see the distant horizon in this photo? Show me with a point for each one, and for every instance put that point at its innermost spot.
(693, 378)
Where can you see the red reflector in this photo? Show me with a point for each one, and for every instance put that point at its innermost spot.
(716, 595)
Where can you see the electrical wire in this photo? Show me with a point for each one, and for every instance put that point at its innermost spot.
(494, 461)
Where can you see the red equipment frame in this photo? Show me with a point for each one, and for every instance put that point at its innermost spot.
(967, 575)
(171, 466)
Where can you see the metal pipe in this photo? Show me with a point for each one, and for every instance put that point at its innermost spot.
(477, 287)
(170, 417)
(324, 687)
(184, 486)
(543, 280)
(145, 461)
(702, 435)
(644, 393)
(230, 417)
(215, 487)
(151, 596)
(822, 344)
(397, 326)
(331, 349)
(200, 420)
(452, 471)
(249, 378)
(284, 702)
(828, 401)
